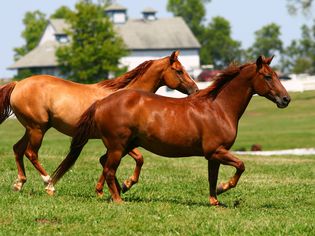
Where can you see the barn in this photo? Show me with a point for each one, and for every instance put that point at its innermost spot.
(147, 37)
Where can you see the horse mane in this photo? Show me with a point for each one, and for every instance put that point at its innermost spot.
(123, 80)
(221, 80)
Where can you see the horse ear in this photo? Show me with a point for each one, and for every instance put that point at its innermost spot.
(259, 62)
(268, 60)
(174, 56)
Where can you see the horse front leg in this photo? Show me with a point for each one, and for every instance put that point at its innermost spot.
(128, 183)
(109, 172)
(100, 183)
(224, 157)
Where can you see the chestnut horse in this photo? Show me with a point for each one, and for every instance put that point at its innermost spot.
(41, 102)
(202, 124)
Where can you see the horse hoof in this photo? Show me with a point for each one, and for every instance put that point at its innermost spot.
(100, 194)
(124, 188)
(214, 201)
(118, 201)
(50, 189)
(50, 193)
(216, 204)
(17, 186)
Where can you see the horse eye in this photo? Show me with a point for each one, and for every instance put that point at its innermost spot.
(268, 77)
(180, 72)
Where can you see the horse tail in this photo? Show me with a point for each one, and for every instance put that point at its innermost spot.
(5, 95)
(86, 127)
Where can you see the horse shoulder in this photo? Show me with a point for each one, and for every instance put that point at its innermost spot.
(215, 128)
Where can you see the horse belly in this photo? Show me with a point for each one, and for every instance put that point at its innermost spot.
(172, 149)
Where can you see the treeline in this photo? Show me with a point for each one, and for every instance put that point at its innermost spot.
(95, 48)
(219, 48)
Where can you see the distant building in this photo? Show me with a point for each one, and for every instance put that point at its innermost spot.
(146, 38)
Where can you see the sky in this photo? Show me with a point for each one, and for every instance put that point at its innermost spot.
(245, 17)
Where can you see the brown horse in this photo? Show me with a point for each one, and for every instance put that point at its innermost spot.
(41, 102)
(202, 124)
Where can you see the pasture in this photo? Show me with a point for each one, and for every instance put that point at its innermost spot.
(275, 196)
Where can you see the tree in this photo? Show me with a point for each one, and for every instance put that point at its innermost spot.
(35, 23)
(299, 5)
(105, 3)
(95, 48)
(267, 42)
(299, 56)
(62, 12)
(218, 48)
(192, 11)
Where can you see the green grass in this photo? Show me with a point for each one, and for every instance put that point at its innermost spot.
(274, 128)
(275, 196)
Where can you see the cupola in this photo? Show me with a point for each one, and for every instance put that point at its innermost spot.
(149, 14)
(117, 13)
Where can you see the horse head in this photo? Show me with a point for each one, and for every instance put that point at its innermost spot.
(266, 83)
(176, 77)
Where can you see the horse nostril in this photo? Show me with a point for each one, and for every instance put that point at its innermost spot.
(286, 99)
(193, 90)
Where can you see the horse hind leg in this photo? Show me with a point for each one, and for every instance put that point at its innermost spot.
(19, 149)
(128, 183)
(35, 141)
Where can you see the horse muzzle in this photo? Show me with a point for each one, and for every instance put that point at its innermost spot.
(282, 102)
(194, 90)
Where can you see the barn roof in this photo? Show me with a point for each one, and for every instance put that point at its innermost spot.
(164, 33)
(41, 56)
(168, 33)
(138, 34)
(149, 10)
(115, 7)
(60, 25)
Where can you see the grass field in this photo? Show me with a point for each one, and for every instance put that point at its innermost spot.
(275, 196)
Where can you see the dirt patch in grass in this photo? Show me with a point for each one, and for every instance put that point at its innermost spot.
(47, 220)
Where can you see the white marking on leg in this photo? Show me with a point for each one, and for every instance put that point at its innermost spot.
(18, 184)
(46, 179)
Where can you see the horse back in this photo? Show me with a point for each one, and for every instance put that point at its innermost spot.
(150, 121)
(50, 101)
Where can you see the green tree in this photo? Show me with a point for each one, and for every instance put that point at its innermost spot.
(62, 12)
(192, 11)
(299, 56)
(267, 42)
(217, 46)
(296, 5)
(95, 48)
(219, 49)
(104, 3)
(35, 23)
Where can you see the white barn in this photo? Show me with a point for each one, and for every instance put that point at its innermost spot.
(148, 37)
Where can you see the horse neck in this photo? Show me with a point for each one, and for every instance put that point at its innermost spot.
(235, 96)
(151, 80)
